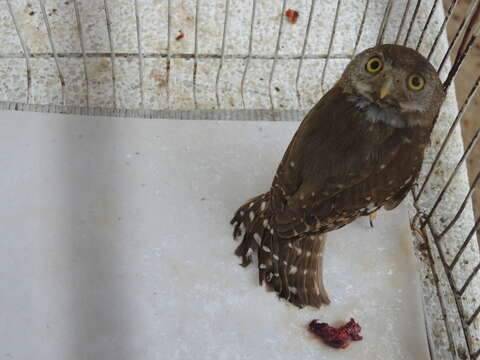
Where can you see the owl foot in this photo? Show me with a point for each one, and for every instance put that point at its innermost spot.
(372, 218)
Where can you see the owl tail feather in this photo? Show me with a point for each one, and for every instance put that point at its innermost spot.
(250, 223)
(292, 267)
(304, 258)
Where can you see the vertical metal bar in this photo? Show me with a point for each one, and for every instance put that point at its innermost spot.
(467, 151)
(453, 286)
(169, 23)
(195, 56)
(383, 25)
(402, 22)
(250, 46)
(412, 20)
(457, 33)
(140, 54)
(112, 52)
(52, 46)
(26, 51)
(277, 48)
(447, 137)
(225, 23)
(360, 30)
(249, 57)
(436, 280)
(330, 45)
(434, 6)
(442, 27)
(304, 48)
(82, 46)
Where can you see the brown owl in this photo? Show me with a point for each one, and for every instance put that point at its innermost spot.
(359, 149)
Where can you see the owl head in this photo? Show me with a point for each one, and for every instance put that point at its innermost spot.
(394, 82)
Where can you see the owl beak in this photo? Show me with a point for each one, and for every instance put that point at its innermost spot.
(387, 87)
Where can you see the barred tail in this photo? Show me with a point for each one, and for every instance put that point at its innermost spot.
(304, 256)
(249, 223)
(292, 266)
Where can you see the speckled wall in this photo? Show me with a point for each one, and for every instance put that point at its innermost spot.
(220, 62)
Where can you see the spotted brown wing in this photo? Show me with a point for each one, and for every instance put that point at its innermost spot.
(341, 165)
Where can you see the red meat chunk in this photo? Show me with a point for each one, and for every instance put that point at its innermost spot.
(338, 338)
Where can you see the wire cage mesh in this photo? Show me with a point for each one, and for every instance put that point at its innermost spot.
(243, 60)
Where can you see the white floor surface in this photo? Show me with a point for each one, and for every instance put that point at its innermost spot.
(116, 244)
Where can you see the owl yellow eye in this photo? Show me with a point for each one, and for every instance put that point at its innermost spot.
(415, 82)
(374, 65)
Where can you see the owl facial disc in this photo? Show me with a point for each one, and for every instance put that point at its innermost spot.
(394, 84)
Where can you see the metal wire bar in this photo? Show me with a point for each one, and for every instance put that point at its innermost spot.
(26, 51)
(195, 55)
(464, 245)
(469, 279)
(174, 56)
(82, 46)
(404, 16)
(360, 30)
(462, 207)
(457, 33)
(436, 280)
(249, 56)
(275, 56)
(425, 27)
(473, 17)
(383, 25)
(225, 24)
(414, 16)
(447, 137)
(52, 46)
(304, 48)
(140, 54)
(112, 52)
(458, 302)
(427, 332)
(332, 37)
(463, 52)
(198, 114)
(467, 151)
(442, 27)
(458, 63)
(169, 23)
(474, 315)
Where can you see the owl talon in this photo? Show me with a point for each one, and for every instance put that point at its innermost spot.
(237, 234)
(246, 261)
(269, 277)
(372, 218)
